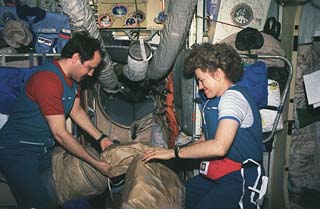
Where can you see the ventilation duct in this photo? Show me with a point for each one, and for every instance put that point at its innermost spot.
(172, 37)
(82, 18)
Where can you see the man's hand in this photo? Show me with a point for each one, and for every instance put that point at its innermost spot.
(103, 167)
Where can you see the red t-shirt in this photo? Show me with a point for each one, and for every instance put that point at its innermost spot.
(46, 89)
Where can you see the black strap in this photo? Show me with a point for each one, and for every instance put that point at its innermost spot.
(101, 137)
(176, 152)
(250, 164)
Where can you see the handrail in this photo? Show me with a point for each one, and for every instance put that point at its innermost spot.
(285, 92)
(29, 55)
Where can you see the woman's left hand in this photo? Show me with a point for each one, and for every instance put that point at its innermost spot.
(157, 153)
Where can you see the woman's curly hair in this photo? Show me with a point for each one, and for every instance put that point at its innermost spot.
(210, 57)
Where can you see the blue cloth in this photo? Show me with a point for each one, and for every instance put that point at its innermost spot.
(80, 203)
(248, 141)
(12, 82)
(224, 193)
(26, 120)
(51, 31)
(7, 13)
(203, 193)
(255, 79)
(24, 168)
(26, 145)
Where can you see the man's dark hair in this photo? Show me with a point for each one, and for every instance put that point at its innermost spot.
(210, 57)
(82, 43)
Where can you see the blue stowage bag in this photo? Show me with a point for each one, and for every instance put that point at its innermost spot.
(51, 33)
(255, 79)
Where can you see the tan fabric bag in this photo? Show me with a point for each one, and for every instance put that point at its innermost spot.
(151, 186)
(120, 156)
(75, 178)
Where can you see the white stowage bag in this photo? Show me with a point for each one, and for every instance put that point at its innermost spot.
(267, 115)
(75, 178)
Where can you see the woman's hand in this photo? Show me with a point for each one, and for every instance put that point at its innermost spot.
(157, 153)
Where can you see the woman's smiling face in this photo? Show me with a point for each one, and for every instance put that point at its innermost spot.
(207, 82)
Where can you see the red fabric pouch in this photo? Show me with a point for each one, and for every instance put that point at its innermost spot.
(216, 169)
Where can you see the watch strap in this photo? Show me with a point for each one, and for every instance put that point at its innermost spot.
(101, 137)
(176, 152)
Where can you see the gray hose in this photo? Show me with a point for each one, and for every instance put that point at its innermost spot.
(180, 13)
(82, 18)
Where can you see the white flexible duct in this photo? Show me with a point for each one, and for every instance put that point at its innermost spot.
(172, 38)
(82, 18)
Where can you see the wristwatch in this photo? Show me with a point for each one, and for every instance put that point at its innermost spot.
(101, 137)
(176, 151)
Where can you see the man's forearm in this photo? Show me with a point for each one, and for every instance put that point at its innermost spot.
(66, 140)
(81, 118)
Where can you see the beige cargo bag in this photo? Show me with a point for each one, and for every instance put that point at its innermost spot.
(75, 178)
(151, 186)
(120, 156)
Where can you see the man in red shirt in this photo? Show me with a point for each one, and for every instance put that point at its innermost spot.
(39, 120)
